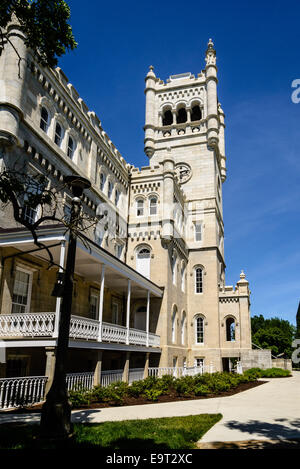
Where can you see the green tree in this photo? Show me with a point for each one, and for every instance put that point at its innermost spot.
(45, 24)
(274, 333)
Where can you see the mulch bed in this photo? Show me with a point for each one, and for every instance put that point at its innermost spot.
(129, 401)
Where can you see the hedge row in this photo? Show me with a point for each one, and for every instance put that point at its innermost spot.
(151, 388)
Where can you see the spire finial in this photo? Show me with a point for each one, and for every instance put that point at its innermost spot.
(210, 53)
(151, 74)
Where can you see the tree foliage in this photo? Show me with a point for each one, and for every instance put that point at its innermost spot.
(274, 333)
(45, 24)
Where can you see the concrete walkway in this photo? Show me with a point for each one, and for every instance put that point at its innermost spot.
(268, 412)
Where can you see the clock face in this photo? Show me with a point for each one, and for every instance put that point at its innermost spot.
(184, 172)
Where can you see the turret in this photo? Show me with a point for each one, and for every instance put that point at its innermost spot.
(222, 142)
(212, 99)
(150, 112)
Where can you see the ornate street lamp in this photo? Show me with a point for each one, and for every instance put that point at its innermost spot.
(56, 411)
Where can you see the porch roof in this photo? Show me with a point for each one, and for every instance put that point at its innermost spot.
(89, 260)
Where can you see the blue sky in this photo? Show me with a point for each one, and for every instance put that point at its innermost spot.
(258, 55)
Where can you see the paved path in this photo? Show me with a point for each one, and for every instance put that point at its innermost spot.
(270, 411)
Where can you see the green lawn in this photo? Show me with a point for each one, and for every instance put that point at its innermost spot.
(163, 433)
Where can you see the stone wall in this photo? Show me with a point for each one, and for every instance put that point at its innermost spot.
(256, 359)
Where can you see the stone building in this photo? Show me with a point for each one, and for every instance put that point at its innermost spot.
(150, 286)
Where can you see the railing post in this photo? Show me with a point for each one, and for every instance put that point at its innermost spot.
(101, 299)
(50, 365)
(98, 367)
(58, 300)
(125, 377)
(147, 318)
(128, 311)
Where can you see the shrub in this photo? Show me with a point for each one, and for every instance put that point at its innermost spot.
(116, 392)
(201, 390)
(275, 373)
(184, 386)
(99, 394)
(79, 398)
(165, 382)
(152, 394)
(253, 373)
(137, 388)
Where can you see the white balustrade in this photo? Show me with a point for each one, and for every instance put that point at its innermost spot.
(84, 380)
(135, 374)
(113, 333)
(178, 372)
(27, 325)
(84, 328)
(21, 391)
(111, 376)
(42, 325)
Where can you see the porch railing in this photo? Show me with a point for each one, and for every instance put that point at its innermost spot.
(83, 380)
(27, 325)
(42, 325)
(135, 374)
(22, 391)
(178, 372)
(111, 376)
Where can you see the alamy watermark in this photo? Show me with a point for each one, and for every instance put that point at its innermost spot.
(296, 352)
(295, 96)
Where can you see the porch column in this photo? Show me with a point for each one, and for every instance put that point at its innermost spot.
(58, 300)
(147, 318)
(50, 365)
(125, 377)
(98, 368)
(101, 298)
(146, 369)
(128, 311)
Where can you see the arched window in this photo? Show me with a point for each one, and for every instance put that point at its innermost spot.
(230, 330)
(44, 122)
(181, 116)
(71, 148)
(153, 205)
(196, 113)
(139, 207)
(174, 320)
(58, 134)
(117, 197)
(143, 261)
(174, 269)
(102, 181)
(109, 189)
(183, 327)
(199, 330)
(198, 280)
(183, 278)
(167, 118)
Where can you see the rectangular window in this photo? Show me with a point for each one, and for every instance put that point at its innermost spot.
(118, 250)
(93, 306)
(198, 232)
(198, 280)
(21, 292)
(199, 362)
(199, 331)
(115, 313)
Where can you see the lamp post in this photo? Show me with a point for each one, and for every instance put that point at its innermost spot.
(56, 411)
